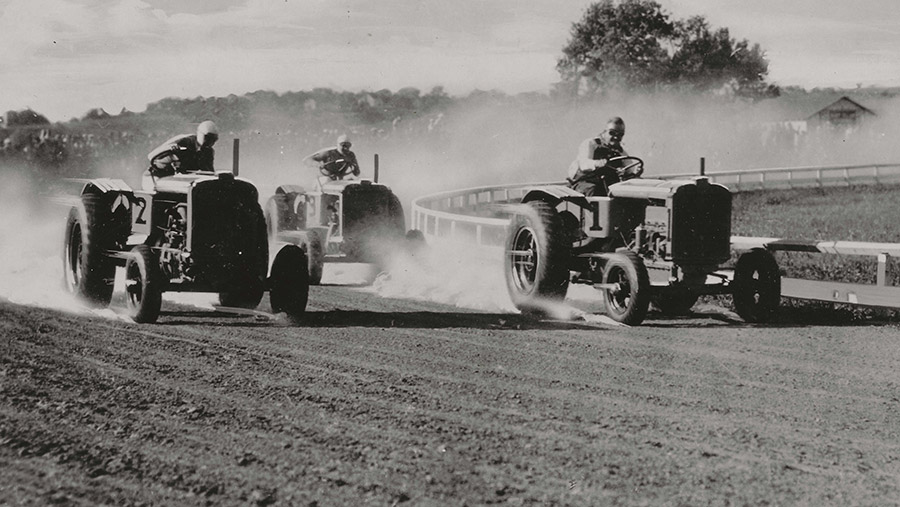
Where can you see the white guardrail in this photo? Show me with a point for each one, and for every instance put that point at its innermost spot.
(802, 177)
(473, 215)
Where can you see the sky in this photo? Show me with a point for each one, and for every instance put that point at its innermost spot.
(62, 58)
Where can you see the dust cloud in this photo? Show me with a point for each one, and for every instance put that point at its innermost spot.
(31, 238)
(450, 273)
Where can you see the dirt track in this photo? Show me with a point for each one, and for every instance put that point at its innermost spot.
(383, 402)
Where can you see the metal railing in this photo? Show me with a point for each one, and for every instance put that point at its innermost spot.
(470, 214)
(802, 177)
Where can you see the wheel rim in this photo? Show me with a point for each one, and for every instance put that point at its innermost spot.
(74, 268)
(754, 284)
(619, 297)
(134, 285)
(524, 259)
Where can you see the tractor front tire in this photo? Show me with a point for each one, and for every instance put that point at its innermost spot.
(143, 285)
(626, 295)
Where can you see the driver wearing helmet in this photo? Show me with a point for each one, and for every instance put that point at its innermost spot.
(591, 172)
(185, 153)
(336, 162)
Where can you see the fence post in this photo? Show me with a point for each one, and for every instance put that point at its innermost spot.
(881, 277)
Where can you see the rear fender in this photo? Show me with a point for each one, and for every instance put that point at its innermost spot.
(577, 211)
(104, 206)
(113, 193)
(118, 198)
(104, 185)
(554, 195)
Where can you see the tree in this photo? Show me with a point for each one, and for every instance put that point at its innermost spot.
(707, 59)
(634, 44)
(615, 45)
(24, 118)
(96, 113)
(437, 98)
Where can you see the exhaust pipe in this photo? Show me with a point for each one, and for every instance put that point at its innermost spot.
(235, 156)
(376, 168)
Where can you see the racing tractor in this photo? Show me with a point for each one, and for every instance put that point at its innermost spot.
(648, 240)
(340, 221)
(192, 232)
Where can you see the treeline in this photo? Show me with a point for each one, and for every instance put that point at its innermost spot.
(238, 112)
(77, 145)
(80, 146)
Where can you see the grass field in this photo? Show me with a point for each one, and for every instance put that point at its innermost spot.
(859, 213)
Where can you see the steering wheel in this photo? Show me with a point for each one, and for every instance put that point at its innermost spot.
(343, 167)
(633, 169)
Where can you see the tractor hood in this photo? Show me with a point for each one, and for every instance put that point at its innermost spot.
(638, 188)
(338, 186)
(182, 183)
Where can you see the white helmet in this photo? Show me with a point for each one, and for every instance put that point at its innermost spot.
(207, 129)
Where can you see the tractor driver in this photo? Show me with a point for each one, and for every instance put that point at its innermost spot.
(336, 162)
(591, 173)
(185, 153)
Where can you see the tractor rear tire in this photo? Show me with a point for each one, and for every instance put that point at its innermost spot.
(91, 230)
(757, 286)
(628, 301)
(143, 285)
(537, 258)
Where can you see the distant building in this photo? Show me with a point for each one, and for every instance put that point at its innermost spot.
(787, 120)
(823, 109)
(844, 112)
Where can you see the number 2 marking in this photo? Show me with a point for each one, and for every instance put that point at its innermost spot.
(141, 203)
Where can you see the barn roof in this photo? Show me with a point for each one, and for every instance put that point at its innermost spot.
(844, 102)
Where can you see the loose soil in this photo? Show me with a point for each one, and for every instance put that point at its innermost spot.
(385, 402)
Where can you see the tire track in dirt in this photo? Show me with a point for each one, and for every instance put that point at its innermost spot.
(633, 393)
(388, 401)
